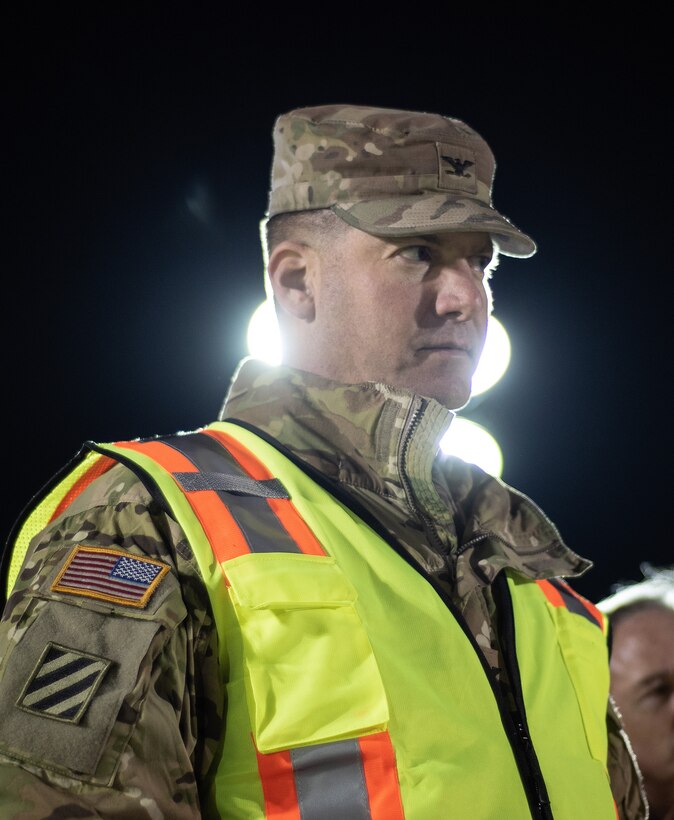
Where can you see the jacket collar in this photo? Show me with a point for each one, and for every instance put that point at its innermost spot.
(351, 432)
(379, 439)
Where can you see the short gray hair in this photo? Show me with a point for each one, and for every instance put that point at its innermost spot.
(656, 590)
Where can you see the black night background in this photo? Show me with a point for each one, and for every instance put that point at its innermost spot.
(137, 147)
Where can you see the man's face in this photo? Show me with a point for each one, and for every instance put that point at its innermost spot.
(642, 683)
(408, 312)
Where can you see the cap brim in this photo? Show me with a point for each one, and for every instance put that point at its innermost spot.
(435, 213)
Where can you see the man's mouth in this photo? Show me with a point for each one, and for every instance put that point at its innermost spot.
(448, 348)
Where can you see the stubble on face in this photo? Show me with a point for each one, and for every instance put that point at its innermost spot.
(377, 316)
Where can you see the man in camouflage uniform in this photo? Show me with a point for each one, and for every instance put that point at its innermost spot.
(379, 241)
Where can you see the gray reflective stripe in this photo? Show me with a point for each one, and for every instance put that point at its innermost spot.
(262, 529)
(330, 781)
(254, 517)
(267, 488)
(573, 604)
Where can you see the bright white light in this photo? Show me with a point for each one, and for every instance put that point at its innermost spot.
(465, 439)
(264, 339)
(495, 357)
(471, 442)
(264, 342)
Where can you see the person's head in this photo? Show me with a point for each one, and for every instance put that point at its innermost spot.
(641, 616)
(379, 239)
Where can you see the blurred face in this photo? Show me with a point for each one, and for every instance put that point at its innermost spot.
(408, 312)
(642, 683)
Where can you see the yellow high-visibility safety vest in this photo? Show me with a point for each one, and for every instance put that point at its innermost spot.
(354, 689)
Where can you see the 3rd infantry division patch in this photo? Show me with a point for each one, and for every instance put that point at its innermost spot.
(63, 683)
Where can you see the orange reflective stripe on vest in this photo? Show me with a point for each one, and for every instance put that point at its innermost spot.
(228, 526)
(49, 503)
(283, 508)
(329, 781)
(560, 593)
(100, 466)
(226, 539)
(228, 488)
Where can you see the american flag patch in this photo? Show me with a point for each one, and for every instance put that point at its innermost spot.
(111, 575)
(63, 683)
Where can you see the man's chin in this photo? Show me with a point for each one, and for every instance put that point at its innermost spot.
(450, 386)
(453, 397)
(452, 403)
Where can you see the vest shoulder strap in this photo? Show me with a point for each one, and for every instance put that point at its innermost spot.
(213, 483)
(45, 506)
(559, 593)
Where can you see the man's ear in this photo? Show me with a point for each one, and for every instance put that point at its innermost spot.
(292, 269)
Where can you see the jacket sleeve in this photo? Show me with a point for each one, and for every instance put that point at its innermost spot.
(110, 705)
(626, 780)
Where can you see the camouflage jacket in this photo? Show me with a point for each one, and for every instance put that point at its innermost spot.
(152, 729)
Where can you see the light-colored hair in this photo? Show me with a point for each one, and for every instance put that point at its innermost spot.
(322, 223)
(322, 226)
(655, 590)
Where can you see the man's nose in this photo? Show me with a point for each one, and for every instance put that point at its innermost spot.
(460, 291)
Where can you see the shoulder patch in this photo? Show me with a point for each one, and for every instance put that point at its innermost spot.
(63, 683)
(110, 575)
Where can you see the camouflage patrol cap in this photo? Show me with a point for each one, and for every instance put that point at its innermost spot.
(389, 172)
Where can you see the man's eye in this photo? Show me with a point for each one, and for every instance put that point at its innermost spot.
(416, 253)
(480, 263)
(661, 692)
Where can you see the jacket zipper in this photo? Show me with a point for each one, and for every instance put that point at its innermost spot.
(506, 628)
(416, 413)
(515, 725)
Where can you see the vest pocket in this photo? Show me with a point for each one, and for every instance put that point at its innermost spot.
(309, 669)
